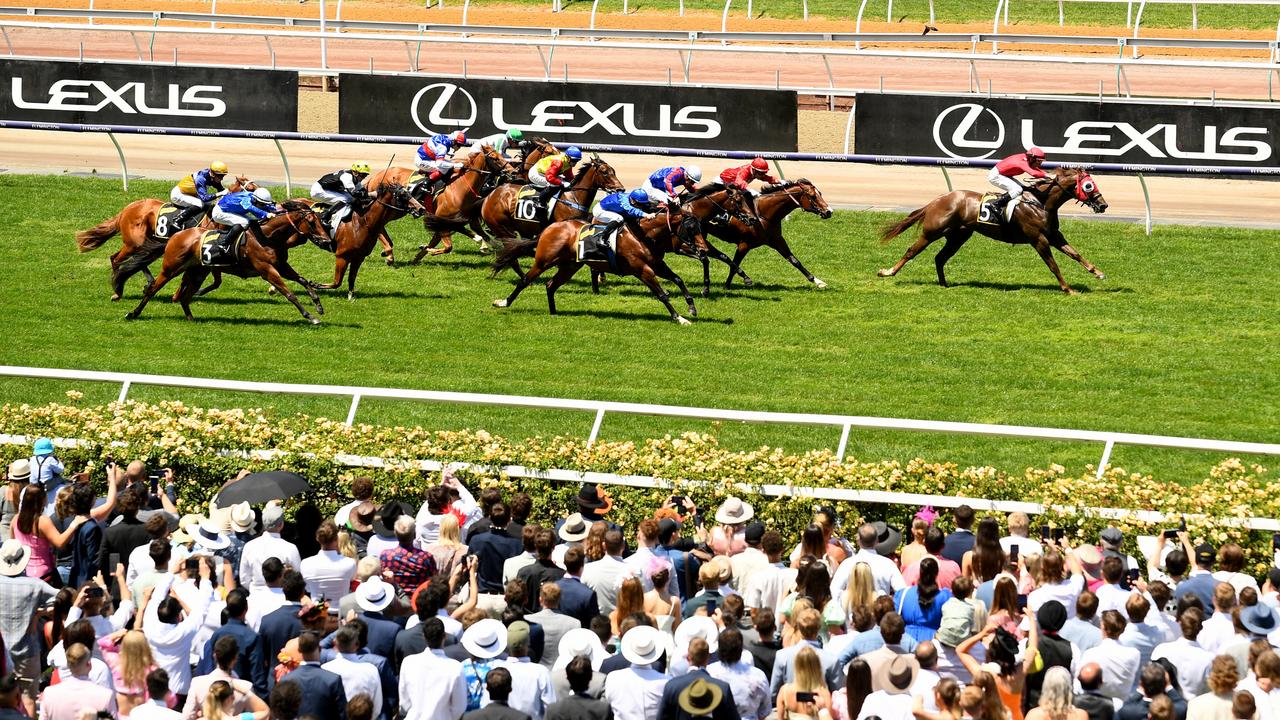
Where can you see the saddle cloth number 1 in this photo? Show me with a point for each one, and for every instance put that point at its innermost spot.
(527, 209)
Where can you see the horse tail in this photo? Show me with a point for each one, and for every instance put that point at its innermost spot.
(94, 237)
(893, 230)
(510, 252)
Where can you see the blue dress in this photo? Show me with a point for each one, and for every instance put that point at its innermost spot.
(922, 623)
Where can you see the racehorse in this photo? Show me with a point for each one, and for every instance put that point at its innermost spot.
(356, 236)
(573, 203)
(136, 225)
(557, 247)
(773, 205)
(264, 252)
(458, 204)
(957, 215)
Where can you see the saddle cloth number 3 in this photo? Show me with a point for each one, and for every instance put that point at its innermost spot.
(527, 209)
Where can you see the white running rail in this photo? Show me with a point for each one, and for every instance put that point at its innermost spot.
(600, 407)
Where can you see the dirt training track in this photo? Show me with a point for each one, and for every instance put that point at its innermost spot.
(1183, 200)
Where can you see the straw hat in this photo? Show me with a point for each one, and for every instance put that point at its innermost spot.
(574, 528)
(643, 645)
(13, 558)
(700, 698)
(485, 639)
(374, 595)
(734, 512)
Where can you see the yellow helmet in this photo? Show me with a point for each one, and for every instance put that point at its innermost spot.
(218, 166)
(360, 167)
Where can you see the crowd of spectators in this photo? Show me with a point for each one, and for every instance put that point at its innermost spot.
(114, 605)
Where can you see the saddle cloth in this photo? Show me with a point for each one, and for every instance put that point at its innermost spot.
(990, 211)
(209, 239)
(527, 205)
(167, 224)
(595, 244)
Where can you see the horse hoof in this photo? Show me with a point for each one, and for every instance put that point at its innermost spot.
(439, 251)
(885, 272)
(682, 321)
(748, 282)
(706, 293)
(500, 303)
(693, 312)
(351, 297)
(131, 316)
(1101, 275)
(319, 309)
(314, 320)
(271, 290)
(115, 297)
(391, 262)
(1070, 291)
(819, 284)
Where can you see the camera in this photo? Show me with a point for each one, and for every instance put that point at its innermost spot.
(1013, 553)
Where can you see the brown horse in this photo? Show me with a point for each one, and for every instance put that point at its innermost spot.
(573, 203)
(641, 256)
(955, 216)
(136, 225)
(458, 205)
(773, 206)
(357, 234)
(264, 252)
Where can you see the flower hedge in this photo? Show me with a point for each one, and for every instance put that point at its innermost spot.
(194, 442)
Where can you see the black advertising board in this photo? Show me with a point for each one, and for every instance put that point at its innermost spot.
(1070, 131)
(148, 95)
(652, 116)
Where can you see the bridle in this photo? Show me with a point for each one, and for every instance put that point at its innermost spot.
(394, 191)
(743, 216)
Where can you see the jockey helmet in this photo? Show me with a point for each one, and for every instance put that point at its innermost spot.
(1035, 152)
(458, 137)
(639, 196)
(760, 164)
(515, 134)
(693, 172)
(262, 195)
(219, 167)
(360, 167)
(574, 153)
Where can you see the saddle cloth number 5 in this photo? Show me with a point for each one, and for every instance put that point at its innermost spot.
(984, 213)
(527, 209)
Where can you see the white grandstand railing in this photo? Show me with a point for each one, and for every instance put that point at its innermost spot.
(600, 407)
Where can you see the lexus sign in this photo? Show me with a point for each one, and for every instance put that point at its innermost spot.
(658, 116)
(148, 95)
(1073, 131)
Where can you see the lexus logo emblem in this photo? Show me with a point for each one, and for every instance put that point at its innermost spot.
(961, 131)
(437, 119)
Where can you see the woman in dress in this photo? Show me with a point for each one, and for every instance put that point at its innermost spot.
(987, 558)
(37, 531)
(921, 604)
(1004, 607)
(846, 703)
(630, 600)
(806, 697)
(448, 549)
(659, 604)
(1056, 701)
(128, 654)
(914, 551)
(1002, 664)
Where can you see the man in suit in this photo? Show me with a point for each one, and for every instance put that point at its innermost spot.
(543, 570)
(698, 654)
(1097, 705)
(124, 536)
(579, 705)
(281, 625)
(961, 541)
(322, 694)
(1152, 682)
(576, 599)
(250, 664)
(493, 548)
(498, 682)
(554, 625)
(602, 575)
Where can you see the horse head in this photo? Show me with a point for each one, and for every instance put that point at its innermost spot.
(1086, 191)
(1068, 183)
(601, 175)
(492, 161)
(395, 196)
(739, 206)
(304, 220)
(811, 200)
(686, 229)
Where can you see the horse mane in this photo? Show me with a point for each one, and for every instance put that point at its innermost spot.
(704, 191)
(295, 205)
(783, 186)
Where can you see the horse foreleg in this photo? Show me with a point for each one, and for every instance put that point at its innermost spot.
(525, 281)
(351, 279)
(1043, 247)
(191, 280)
(217, 283)
(272, 276)
(784, 250)
(1074, 254)
(561, 277)
(714, 253)
(422, 249)
(926, 239)
(339, 271)
(388, 248)
(447, 237)
(596, 277)
(477, 232)
(738, 256)
(954, 242)
(664, 271)
(650, 278)
(289, 273)
(153, 287)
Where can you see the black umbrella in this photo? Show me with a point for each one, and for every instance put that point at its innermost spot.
(262, 487)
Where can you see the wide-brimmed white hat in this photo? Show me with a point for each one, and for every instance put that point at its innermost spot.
(698, 626)
(208, 535)
(574, 528)
(485, 639)
(643, 645)
(13, 557)
(374, 595)
(20, 470)
(580, 641)
(242, 517)
(734, 512)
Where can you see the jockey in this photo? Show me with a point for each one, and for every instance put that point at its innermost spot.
(239, 210)
(552, 172)
(435, 156)
(196, 189)
(668, 182)
(616, 208)
(501, 141)
(738, 177)
(1004, 175)
(336, 189)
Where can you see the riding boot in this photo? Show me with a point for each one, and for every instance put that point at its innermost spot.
(184, 216)
(544, 194)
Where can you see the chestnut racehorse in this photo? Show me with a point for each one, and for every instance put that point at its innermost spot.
(264, 252)
(773, 205)
(357, 235)
(573, 203)
(955, 216)
(641, 256)
(458, 205)
(136, 225)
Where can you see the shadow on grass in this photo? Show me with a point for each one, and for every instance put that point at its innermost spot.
(640, 316)
(1014, 286)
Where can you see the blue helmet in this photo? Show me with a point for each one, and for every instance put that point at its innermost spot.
(639, 197)
(574, 153)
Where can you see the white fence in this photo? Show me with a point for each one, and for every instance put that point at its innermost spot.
(845, 423)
